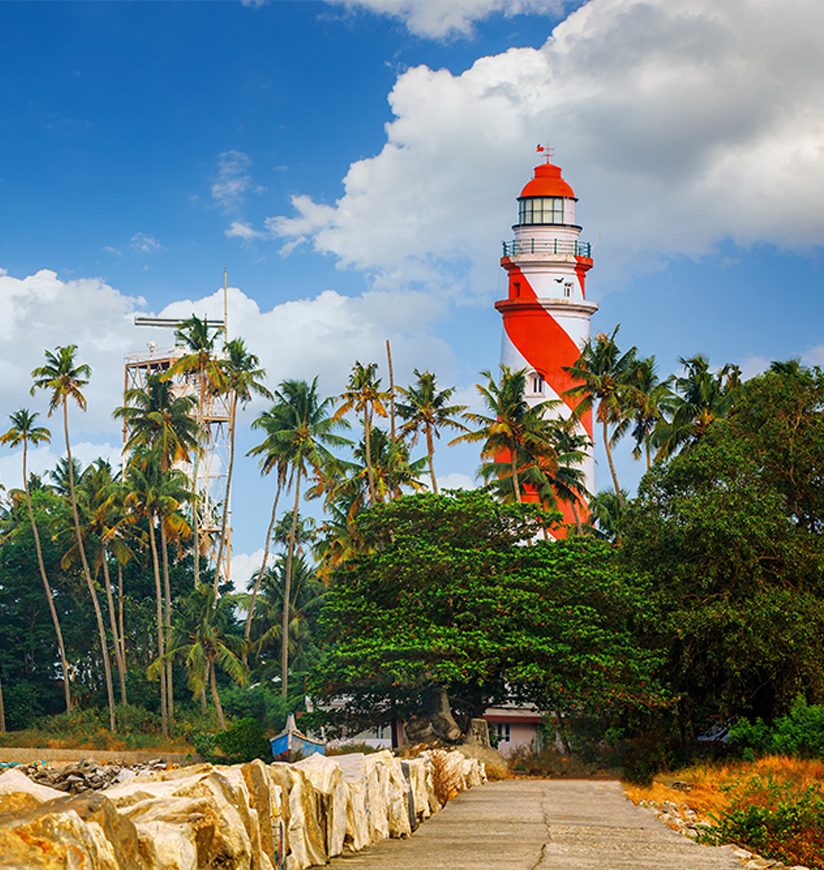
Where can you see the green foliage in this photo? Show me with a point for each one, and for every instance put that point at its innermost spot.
(262, 703)
(730, 533)
(799, 733)
(446, 595)
(243, 741)
(778, 820)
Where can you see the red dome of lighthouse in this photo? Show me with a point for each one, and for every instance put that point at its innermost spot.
(548, 182)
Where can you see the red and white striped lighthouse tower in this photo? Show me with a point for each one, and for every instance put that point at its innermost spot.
(546, 313)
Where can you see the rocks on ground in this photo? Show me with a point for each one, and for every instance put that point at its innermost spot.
(252, 816)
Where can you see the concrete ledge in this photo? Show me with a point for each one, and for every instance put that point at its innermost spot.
(28, 755)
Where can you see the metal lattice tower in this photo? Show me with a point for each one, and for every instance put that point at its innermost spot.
(212, 415)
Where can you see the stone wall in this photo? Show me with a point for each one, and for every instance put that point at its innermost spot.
(252, 816)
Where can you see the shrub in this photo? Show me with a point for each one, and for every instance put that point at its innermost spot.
(777, 820)
(800, 733)
(243, 741)
(260, 702)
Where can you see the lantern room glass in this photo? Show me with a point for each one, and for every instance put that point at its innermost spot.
(541, 210)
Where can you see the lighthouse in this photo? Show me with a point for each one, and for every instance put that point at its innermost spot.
(546, 313)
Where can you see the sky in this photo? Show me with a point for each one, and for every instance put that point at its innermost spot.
(354, 165)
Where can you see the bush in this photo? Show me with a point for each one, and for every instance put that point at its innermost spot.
(260, 702)
(777, 820)
(243, 741)
(800, 733)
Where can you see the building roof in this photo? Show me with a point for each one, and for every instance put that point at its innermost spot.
(548, 182)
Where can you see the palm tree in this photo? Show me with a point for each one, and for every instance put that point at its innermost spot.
(701, 397)
(202, 364)
(305, 434)
(274, 456)
(607, 515)
(25, 431)
(364, 395)
(604, 375)
(512, 430)
(155, 495)
(154, 417)
(64, 378)
(205, 638)
(651, 399)
(427, 410)
(242, 377)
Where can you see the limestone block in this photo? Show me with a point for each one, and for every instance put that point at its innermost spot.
(422, 789)
(388, 801)
(326, 776)
(174, 814)
(305, 821)
(267, 798)
(16, 782)
(357, 810)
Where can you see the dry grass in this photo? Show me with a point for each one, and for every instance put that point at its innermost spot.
(713, 784)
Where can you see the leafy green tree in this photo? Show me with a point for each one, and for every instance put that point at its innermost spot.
(427, 410)
(444, 596)
(604, 374)
(25, 431)
(64, 379)
(736, 554)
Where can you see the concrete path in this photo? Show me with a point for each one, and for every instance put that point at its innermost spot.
(538, 825)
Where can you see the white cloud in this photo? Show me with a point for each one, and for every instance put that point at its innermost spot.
(814, 356)
(233, 179)
(753, 365)
(456, 480)
(245, 566)
(145, 243)
(320, 335)
(243, 231)
(111, 249)
(679, 124)
(44, 458)
(447, 18)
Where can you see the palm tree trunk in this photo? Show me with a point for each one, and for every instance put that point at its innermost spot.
(430, 452)
(646, 447)
(164, 713)
(215, 696)
(612, 464)
(516, 484)
(224, 521)
(43, 576)
(367, 443)
(576, 515)
(391, 391)
(195, 468)
(121, 669)
(247, 629)
(2, 708)
(167, 594)
(287, 593)
(120, 622)
(104, 648)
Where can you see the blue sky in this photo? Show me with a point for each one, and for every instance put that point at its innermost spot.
(354, 165)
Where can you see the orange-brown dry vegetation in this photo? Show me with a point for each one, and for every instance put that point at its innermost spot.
(712, 785)
(773, 806)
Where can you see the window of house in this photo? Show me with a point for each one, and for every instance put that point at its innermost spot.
(537, 383)
(517, 288)
(502, 732)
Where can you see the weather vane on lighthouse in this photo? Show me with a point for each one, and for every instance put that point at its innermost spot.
(547, 150)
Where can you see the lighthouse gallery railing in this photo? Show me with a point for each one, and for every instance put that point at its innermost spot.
(546, 246)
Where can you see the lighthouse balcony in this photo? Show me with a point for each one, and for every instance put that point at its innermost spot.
(551, 247)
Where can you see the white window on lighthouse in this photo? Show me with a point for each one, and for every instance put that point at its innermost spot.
(536, 384)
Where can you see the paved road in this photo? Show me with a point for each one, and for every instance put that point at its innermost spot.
(538, 825)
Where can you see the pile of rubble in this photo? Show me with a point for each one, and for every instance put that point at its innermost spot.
(80, 776)
(251, 816)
